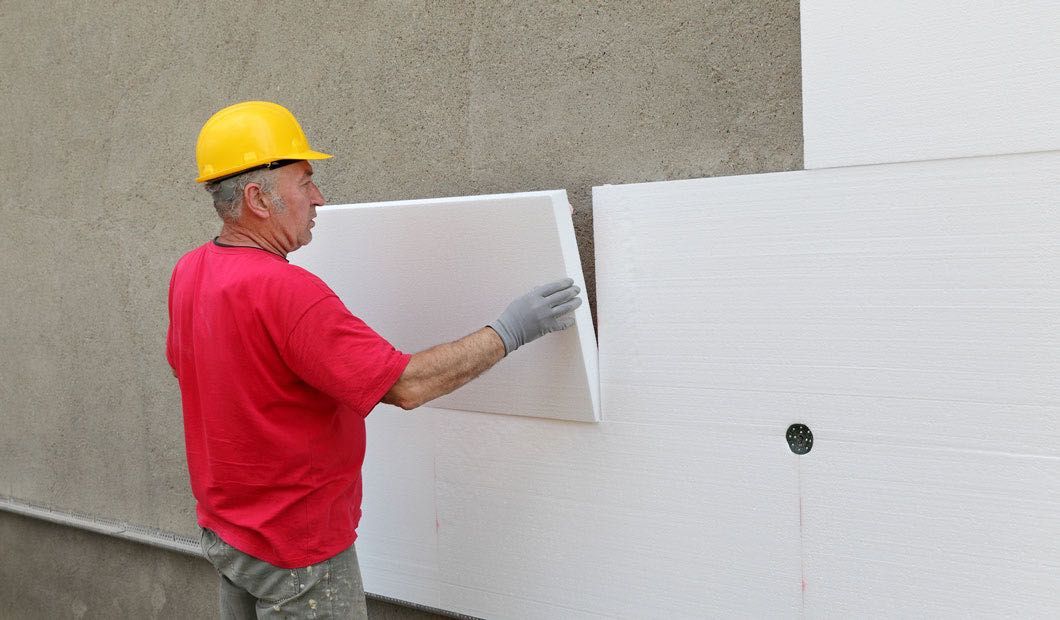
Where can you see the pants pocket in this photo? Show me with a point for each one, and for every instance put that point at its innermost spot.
(212, 547)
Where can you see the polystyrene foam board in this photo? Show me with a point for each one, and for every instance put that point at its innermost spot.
(424, 272)
(908, 315)
(638, 516)
(906, 80)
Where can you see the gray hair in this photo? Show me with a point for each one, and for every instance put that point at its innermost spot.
(228, 192)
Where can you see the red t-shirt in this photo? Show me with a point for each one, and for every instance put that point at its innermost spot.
(276, 377)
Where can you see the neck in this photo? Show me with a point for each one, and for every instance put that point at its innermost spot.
(234, 234)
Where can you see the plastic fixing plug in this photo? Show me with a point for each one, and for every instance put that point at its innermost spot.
(800, 438)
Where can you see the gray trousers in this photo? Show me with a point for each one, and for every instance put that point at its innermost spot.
(252, 588)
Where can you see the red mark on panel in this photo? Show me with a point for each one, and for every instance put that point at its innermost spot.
(802, 554)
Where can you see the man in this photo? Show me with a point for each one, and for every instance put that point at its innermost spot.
(276, 376)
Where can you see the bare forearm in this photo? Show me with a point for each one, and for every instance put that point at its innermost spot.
(443, 368)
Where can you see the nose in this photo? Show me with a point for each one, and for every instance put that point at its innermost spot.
(318, 198)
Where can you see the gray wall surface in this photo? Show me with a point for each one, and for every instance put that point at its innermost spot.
(54, 572)
(103, 103)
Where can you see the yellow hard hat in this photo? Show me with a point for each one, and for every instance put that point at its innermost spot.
(251, 134)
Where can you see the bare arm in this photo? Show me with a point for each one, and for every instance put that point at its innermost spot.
(443, 368)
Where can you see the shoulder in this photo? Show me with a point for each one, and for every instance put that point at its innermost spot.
(280, 288)
(192, 255)
(299, 279)
(254, 274)
(189, 262)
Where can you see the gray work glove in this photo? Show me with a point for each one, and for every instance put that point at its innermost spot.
(548, 308)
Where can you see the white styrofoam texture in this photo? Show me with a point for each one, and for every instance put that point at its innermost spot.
(522, 517)
(424, 272)
(908, 80)
(638, 516)
(906, 313)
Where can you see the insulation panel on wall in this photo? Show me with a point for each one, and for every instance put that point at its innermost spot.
(526, 517)
(907, 314)
(657, 511)
(425, 272)
(906, 80)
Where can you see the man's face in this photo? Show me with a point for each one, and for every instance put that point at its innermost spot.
(299, 197)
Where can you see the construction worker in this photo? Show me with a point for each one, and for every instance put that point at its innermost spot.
(276, 376)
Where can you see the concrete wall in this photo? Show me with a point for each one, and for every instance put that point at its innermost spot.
(40, 577)
(414, 99)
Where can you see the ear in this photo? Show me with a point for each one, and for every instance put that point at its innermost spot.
(254, 201)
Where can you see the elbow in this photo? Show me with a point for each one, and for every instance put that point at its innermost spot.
(406, 403)
(404, 397)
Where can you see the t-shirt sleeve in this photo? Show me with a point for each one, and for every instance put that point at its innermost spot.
(338, 354)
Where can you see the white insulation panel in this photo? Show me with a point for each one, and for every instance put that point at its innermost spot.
(500, 516)
(424, 272)
(655, 512)
(908, 80)
(908, 314)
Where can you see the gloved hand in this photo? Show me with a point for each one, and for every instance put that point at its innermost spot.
(548, 308)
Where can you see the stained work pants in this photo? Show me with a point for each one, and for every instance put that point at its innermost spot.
(252, 588)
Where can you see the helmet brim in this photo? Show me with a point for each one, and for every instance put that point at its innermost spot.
(300, 156)
(309, 155)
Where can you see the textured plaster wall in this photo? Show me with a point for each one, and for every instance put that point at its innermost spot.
(102, 105)
(44, 576)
